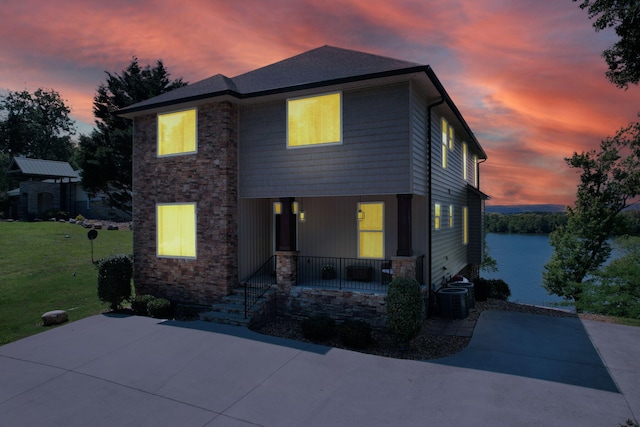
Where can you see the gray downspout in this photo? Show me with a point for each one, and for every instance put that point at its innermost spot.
(432, 301)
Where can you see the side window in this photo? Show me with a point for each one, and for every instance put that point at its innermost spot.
(465, 225)
(177, 133)
(450, 216)
(437, 216)
(465, 155)
(445, 141)
(314, 120)
(371, 230)
(176, 230)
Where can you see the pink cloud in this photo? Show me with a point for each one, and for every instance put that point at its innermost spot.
(527, 76)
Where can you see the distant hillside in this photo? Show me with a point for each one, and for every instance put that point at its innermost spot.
(511, 209)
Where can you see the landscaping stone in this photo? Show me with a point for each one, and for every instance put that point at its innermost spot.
(54, 317)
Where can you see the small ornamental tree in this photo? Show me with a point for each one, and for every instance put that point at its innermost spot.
(114, 280)
(404, 309)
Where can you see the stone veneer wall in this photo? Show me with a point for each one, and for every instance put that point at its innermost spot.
(337, 304)
(209, 178)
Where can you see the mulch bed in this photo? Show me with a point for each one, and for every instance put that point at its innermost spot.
(423, 347)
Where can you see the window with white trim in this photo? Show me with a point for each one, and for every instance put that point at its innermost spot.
(437, 216)
(465, 155)
(314, 120)
(177, 133)
(371, 230)
(176, 230)
(465, 225)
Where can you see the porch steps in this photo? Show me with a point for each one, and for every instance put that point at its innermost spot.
(230, 310)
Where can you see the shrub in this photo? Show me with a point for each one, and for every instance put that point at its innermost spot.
(318, 328)
(140, 303)
(498, 289)
(355, 333)
(79, 218)
(404, 309)
(160, 308)
(55, 214)
(114, 279)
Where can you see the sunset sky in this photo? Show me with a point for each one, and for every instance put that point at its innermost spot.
(527, 75)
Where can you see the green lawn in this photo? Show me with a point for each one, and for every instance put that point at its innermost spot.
(47, 266)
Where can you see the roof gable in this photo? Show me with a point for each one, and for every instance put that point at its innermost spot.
(41, 168)
(315, 67)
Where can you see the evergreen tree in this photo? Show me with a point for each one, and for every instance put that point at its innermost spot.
(106, 155)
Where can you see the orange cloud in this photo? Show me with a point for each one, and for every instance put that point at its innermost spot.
(527, 76)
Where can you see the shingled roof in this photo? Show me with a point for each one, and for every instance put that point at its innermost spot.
(323, 66)
(41, 168)
(318, 67)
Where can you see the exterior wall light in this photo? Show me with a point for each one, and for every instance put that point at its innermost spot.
(360, 215)
(277, 208)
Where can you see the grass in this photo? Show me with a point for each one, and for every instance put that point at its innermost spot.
(47, 266)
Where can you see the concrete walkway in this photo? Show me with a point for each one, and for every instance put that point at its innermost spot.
(137, 371)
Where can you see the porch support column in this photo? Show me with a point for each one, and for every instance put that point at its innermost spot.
(405, 244)
(287, 227)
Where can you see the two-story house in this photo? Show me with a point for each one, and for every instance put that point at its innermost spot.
(332, 171)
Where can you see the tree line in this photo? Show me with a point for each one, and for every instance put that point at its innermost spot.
(548, 222)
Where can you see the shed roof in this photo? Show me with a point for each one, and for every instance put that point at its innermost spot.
(41, 168)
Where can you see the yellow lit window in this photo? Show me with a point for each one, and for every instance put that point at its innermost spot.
(476, 171)
(176, 224)
(177, 133)
(465, 225)
(314, 120)
(464, 160)
(445, 141)
(437, 217)
(371, 230)
(450, 216)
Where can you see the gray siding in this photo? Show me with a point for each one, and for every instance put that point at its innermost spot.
(448, 188)
(331, 228)
(255, 235)
(419, 154)
(373, 159)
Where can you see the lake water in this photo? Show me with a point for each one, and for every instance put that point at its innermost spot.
(521, 259)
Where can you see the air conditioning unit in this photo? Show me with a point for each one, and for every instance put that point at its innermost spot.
(453, 303)
(471, 299)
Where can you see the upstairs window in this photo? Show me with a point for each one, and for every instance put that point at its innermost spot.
(465, 155)
(314, 120)
(476, 171)
(176, 228)
(448, 138)
(371, 230)
(177, 133)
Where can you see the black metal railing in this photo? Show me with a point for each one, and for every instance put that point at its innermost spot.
(257, 285)
(344, 273)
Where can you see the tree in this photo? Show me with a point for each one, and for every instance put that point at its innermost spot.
(623, 57)
(36, 125)
(105, 155)
(609, 183)
(615, 289)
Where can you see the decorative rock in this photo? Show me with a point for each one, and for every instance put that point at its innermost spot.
(112, 227)
(54, 317)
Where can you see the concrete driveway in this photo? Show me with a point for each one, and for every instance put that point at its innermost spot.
(519, 370)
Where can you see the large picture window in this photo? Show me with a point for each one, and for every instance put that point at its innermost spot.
(176, 225)
(371, 230)
(177, 133)
(314, 120)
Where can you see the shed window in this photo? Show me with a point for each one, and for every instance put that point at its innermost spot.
(177, 133)
(314, 120)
